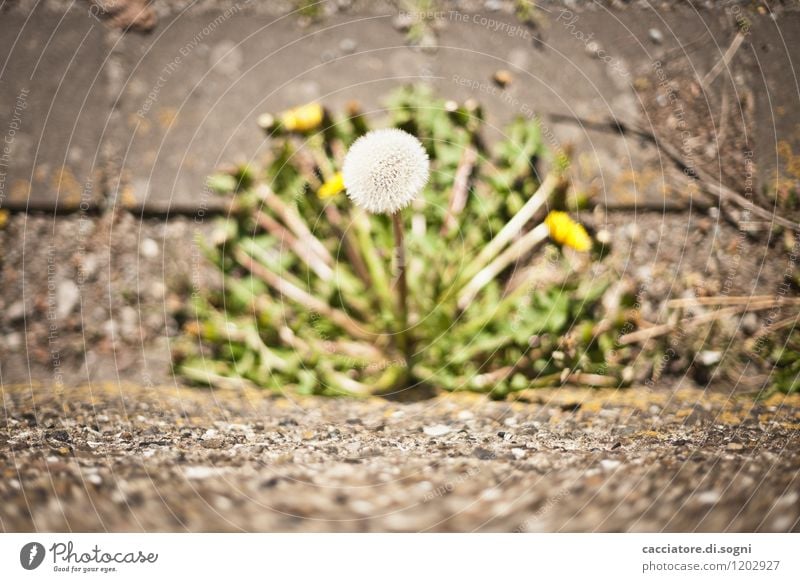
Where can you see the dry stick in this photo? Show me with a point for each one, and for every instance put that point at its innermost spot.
(584, 379)
(513, 226)
(723, 120)
(458, 196)
(734, 300)
(511, 254)
(794, 319)
(659, 330)
(294, 222)
(303, 251)
(707, 182)
(713, 186)
(724, 61)
(297, 295)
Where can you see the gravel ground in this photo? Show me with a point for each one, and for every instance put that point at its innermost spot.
(128, 458)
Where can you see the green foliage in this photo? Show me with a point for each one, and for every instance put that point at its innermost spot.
(783, 355)
(308, 305)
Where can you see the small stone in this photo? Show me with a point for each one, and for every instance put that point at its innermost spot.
(518, 453)
(437, 430)
(750, 323)
(403, 21)
(709, 358)
(213, 443)
(708, 497)
(95, 479)
(483, 454)
(347, 46)
(16, 311)
(199, 472)
(788, 500)
(491, 494)
(148, 248)
(59, 435)
(502, 78)
(362, 506)
(734, 446)
(67, 297)
(655, 35)
(13, 341)
(465, 415)
(593, 48)
(609, 464)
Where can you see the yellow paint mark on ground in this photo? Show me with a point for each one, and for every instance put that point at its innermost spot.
(788, 400)
(67, 186)
(126, 197)
(167, 116)
(728, 418)
(20, 191)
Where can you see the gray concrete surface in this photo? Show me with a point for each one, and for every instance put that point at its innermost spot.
(140, 119)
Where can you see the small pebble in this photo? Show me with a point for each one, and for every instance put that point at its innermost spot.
(593, 48)
(609, 464)
(708, 497)
(148, 248)
(502, 78)
(437, 430)
(655, 35)
(347, 46)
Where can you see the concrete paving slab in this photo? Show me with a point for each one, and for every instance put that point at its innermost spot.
(52, 85)
(185, 97)
(196, 87)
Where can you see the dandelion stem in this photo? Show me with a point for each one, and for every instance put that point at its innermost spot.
(402, 289)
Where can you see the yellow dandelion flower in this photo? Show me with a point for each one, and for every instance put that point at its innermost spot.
(567, 232)
(304, 118)
(331, 187)
(3, 217)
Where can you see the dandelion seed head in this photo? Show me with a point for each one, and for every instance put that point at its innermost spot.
(385, 170)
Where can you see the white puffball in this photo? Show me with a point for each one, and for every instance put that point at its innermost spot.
(385, 170)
